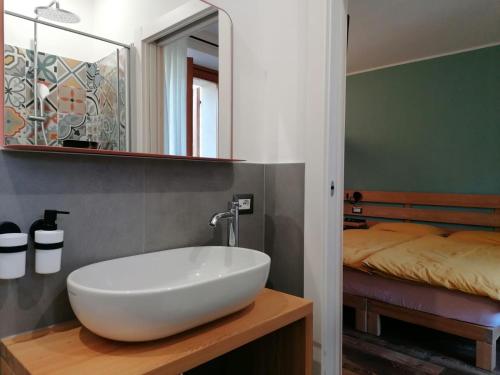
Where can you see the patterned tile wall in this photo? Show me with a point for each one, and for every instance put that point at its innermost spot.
(87, 101)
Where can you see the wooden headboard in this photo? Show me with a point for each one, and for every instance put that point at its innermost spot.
(452, 209)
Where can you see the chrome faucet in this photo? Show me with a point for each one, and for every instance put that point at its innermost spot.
(232, 215)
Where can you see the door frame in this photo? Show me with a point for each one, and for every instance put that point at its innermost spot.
(145, 61)
(196, 71)
(331, 340)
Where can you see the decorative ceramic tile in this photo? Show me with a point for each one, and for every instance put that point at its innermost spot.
(72, 127)
(15, 91)
(107, 97)
(87, 101)
(92, 104)
(92, 124)
(49, 127)
(18, 130)
(107, 92)
(15, 61)
(71, 73)
(102, 105)
(47, 66)
(94, 78)
(108, 66)
(72, 101)
(15, 121)
(108, 137)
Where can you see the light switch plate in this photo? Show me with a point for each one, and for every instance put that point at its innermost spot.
(246, 202)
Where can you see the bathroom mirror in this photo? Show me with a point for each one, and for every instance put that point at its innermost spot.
(118, 77)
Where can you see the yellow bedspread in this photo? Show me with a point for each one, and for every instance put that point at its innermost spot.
(359, 244)
(492, 238)
(472, 268)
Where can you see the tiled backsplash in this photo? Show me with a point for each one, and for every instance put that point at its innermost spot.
(122, 207)
(87, 101)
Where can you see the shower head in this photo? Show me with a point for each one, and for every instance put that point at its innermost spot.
(43, 92)
(54, 13)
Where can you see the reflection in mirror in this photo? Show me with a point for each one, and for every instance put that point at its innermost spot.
(80, 95)
(190, 61)
(151, 82)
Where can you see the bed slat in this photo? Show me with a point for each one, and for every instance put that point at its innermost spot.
(430, 199)
(428, 215)
(455, 327)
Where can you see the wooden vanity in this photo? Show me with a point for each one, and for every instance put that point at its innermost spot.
(271, 336)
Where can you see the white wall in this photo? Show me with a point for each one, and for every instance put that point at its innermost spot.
(269, 67)
(120, 19)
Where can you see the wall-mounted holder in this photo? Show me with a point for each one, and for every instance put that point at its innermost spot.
(49, 242)
(355, 200)
(13, 247)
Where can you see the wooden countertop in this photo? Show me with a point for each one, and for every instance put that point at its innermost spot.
(69, 348)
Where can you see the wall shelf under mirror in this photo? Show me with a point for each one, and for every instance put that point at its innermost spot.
(148, 84)
(82, 151)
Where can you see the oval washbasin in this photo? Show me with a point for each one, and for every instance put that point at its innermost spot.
(150, 296)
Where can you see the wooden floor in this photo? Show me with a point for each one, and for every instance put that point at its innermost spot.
(407, 349)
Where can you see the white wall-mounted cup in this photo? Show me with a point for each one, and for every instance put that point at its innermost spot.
(13, 248)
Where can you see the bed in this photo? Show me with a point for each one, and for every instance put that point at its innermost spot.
(373, 295)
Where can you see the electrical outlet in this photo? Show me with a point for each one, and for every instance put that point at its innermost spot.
(357, 210)
(245, 203)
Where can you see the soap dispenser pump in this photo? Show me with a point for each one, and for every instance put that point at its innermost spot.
(49, 242)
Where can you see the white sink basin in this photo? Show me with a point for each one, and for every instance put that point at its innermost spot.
(150, 296)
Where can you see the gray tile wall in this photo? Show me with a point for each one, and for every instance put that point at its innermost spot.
(123, 206)
(284, 226)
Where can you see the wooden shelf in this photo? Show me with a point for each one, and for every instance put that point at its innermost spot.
(87, 151)
(69, 348)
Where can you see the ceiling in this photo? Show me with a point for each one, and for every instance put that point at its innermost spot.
(204, 50)
(387, 32)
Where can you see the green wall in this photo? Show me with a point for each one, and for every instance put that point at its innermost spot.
(429, 126)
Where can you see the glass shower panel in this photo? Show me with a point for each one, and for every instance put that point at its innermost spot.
(17, 129)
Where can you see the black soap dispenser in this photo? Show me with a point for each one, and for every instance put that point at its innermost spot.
(49, 242)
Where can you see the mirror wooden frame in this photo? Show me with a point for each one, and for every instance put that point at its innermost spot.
(71, 150)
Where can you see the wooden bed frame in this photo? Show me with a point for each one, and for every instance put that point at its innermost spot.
(452, 210)
(369, 311)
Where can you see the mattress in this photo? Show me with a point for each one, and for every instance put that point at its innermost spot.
(470, 267)
(359, 244)
(433, 300)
